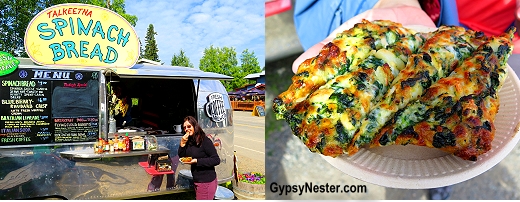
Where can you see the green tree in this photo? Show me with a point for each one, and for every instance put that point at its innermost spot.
(249, 64)
(16, 15)
(117, 6)
(222, 61)
(14, 18)
(181, 60)
(151, 49)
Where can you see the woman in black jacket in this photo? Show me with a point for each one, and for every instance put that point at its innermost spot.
(195, 144)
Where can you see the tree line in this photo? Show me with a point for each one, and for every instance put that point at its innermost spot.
(16, 15)
(222, 60)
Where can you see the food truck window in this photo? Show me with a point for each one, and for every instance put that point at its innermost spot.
(49, 106)
(159, 104)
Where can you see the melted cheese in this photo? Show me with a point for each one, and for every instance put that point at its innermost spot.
(379, 83)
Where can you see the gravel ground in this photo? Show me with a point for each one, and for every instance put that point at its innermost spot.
(291, 163)
(246, 164)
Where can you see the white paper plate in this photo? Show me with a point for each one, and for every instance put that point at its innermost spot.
(126, 131)
(181, 161)
(186, 174)
(415, 167)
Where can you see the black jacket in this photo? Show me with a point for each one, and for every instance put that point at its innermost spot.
(207, 159)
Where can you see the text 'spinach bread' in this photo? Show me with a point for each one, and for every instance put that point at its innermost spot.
(381, 84)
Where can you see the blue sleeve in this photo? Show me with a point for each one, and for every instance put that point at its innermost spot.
(449, 14)
(314, 20)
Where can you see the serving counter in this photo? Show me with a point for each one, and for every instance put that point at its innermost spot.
(91, 155)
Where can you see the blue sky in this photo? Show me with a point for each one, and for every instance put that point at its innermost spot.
(195, 25)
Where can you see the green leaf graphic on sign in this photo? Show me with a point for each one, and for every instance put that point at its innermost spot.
(8, 63)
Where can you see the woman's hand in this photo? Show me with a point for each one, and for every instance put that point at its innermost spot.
(193, 161)
(184, 139)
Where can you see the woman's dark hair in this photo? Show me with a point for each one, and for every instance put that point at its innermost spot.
(198, 133)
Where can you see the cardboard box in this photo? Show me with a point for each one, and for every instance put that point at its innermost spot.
(138, 144)
(163, 165)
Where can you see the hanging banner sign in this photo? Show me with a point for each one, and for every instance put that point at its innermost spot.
(81, 35)
(8, 63)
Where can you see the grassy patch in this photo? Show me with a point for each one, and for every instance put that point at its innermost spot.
(278, 80)
(228, 185)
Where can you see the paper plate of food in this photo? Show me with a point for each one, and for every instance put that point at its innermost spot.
(418, 167)
(413, 107)
(185, 159)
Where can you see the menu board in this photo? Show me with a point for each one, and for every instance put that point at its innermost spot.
(45, 106)
(260, 110)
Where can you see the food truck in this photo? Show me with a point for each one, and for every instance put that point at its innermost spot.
(55, 114)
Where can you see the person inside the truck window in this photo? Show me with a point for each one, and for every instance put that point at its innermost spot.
(204, 158)
(124, 106)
